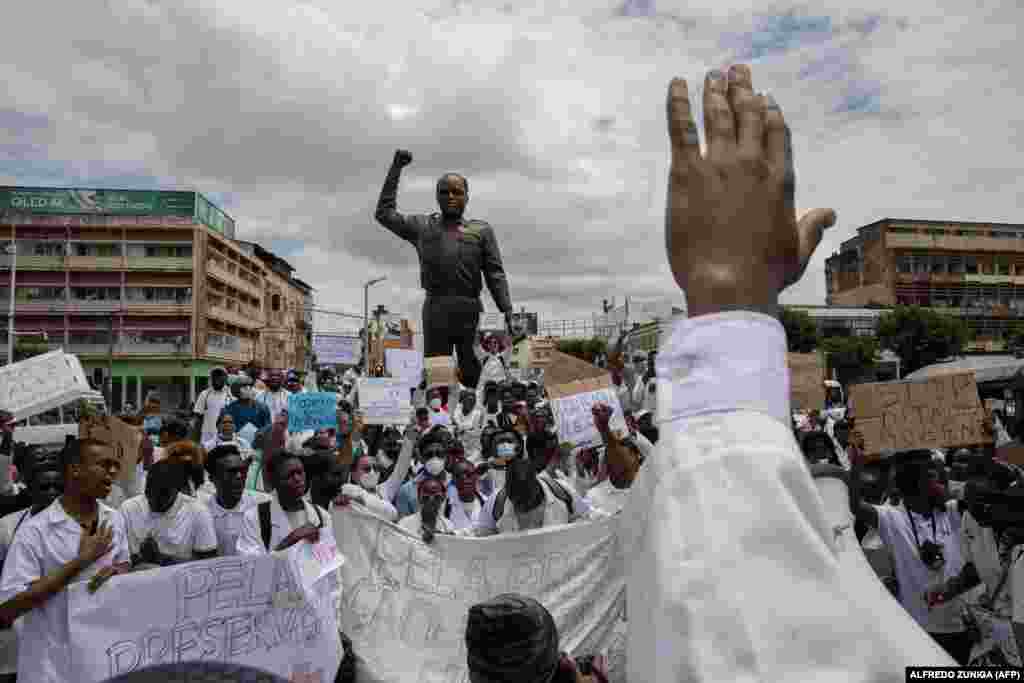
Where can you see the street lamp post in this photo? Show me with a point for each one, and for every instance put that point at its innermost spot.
(13, 251)
(366, 322)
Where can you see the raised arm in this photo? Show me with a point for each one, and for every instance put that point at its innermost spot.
(387, 205)
(494, 273)
(390, 488)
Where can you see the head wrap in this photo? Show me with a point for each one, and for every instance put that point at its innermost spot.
(511, 638)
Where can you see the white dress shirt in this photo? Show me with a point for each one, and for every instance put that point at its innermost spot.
(414, 525)
(185, 529)
(228, 523)
(730, 557)
(44, 544)
(209, 405)
(250, 541)
(9, 526)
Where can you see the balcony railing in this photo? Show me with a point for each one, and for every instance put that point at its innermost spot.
(79, 306)
(157, 308)
(39, 263)
(223, 272)
(165, 263)
(94, 262)
(952, 242)
(127, 348)
(242, 317)
(229, 348)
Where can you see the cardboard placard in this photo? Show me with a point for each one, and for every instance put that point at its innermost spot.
(583, 386)
(806, 374)
(40, 383)
(384, 401)
(126, 440)
(938, 412)
(312, 410)
(572, 404)
(405, 364)
(440, 371)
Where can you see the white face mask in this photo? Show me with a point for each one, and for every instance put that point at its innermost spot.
(369, 480)
(435, 466)
(435, 404)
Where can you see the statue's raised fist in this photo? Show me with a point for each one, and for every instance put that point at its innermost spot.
(402, 158)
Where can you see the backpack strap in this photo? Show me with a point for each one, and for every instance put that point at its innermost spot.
(499, 504)
(264, 512)
(560, 492)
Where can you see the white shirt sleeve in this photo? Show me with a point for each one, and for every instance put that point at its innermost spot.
(22, 565)
(730, 555)
(200, 406)
(1017, 586)
(389, 489)
(483, 522)
(250, 541)
(205, 531)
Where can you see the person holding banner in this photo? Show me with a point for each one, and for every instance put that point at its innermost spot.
(287, 518)
(453, 255)
(430, 520)
(228, 505)
(74, 539)
(365, 489)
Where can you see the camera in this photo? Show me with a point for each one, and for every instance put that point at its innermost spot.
(932, 555)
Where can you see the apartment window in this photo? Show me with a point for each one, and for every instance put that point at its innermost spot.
(955, 300)
(956, 265)
(96, 250)
(275, 303)
(971, 265)
(47, 248)
(939, 264)
(30, 294)
(159, 295)
(160, 250)
(91, 338)
(96, 293)
(967, 233)
(904, 264)
(921, 263)
(157, 338)
(936, 232)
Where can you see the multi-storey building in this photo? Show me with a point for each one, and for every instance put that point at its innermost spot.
(973, 270)
(148, 288)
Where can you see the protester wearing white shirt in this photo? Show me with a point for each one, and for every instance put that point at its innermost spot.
(45, 485)
(210, 402)
(164, 525)
(464, 498)
(76, 538)
(291, 519)
(275, 398)
(429, 520)
(226, 435)
(725, 532)
(230, 501)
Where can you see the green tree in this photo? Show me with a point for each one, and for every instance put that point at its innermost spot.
(801, 332)
(921, 336)
(584, 349)
(853, 358)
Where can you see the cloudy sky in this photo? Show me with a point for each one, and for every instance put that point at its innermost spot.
(288, 114)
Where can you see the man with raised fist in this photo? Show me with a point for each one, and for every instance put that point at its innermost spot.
(454, 254)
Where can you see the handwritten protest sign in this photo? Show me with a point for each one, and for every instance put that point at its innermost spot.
(571, 404)
(384, 401)
(33, 386)
(222, 610)
(806, 374)
(312, 410)
(313, 562)
(405, 364)
(405, 603)
(440, 371)
(333, 349)
(938, 412)
(125, 439)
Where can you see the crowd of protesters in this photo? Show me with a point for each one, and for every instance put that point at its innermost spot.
(486, 460)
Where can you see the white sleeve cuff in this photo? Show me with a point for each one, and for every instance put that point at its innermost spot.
(725, 362)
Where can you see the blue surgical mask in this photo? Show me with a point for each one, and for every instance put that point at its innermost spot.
(505, 450)
(152, 424)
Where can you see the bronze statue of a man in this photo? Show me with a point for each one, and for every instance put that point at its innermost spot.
(454, 253)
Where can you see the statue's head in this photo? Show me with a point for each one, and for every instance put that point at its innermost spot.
(452, 195)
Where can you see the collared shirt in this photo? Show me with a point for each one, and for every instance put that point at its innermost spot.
(250, 541)
(209, 405)
(275, 401)
(228, 523)
(185, 529)
(44, 544)
(730, 555)
(451, 261)
(460, 514)
(9, 526)
(414, 525)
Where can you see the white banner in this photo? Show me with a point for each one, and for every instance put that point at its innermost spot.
(336, 350)
(248, 610)
(405, 603)
(576, 421)
(405, 364)
(35, 385)
(384, 401)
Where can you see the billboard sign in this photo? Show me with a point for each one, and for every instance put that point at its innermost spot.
(72, 201)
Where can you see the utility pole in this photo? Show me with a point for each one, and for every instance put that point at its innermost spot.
(108, 382)
(13, 251)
